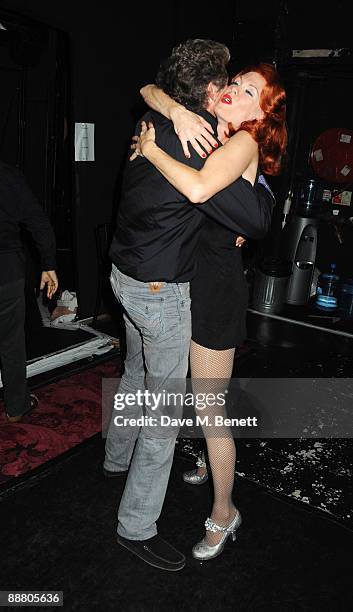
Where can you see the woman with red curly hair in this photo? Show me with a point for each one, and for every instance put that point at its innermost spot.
(270, 132)
(252, 131)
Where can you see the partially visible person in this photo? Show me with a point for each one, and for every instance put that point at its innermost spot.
(252, 130)
(19, 206)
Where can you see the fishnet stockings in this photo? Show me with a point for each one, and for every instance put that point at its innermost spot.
(211, 371)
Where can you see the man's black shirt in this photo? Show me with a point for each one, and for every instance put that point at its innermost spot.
(19, 206)
(158, 228)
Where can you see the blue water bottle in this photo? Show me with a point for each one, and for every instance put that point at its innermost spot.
(327, 290)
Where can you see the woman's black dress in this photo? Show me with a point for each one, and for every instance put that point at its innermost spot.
(219, 290)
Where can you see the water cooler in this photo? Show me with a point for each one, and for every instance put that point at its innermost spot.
(299, 240)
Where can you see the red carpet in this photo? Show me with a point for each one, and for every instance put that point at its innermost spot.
(69, 411)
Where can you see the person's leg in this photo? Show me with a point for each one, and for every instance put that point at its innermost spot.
(121, 441)
(211, 370)
(13, 348)
(166, 328)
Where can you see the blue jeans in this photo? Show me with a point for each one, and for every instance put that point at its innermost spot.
(158, 333)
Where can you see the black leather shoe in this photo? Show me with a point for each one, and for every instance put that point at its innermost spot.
(18, 418)
(156, 552)
(111, 474)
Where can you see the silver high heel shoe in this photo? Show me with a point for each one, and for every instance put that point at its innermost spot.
(193, 477)
(203, 552)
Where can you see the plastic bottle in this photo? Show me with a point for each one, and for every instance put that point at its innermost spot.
(327, 290)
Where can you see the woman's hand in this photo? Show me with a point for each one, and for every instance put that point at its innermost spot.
(189, 126)
(147, 137)
(193, 128)
(136, 147)
(139, 143)
(239, 241)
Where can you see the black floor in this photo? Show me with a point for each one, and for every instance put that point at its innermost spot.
(58, 527)
(314, 471)
(58, 533)
(286, 350)
(317, 472)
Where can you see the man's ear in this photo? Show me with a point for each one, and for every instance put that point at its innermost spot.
(212, 92)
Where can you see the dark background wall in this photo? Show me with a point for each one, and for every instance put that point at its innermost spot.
(115, 49)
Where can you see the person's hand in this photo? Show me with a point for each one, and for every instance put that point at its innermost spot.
(147, 136)
(50, 279)
(193, 128)
(240, 241)
(136, 147)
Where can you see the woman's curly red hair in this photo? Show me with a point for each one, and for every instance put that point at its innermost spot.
(270, 132)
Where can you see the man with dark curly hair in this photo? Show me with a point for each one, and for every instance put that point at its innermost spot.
(153, 254)
(187, 72)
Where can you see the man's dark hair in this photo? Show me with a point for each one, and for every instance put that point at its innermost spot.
(192, 65)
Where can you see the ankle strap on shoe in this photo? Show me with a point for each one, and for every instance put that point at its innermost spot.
(212, 526)
(200, 463)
